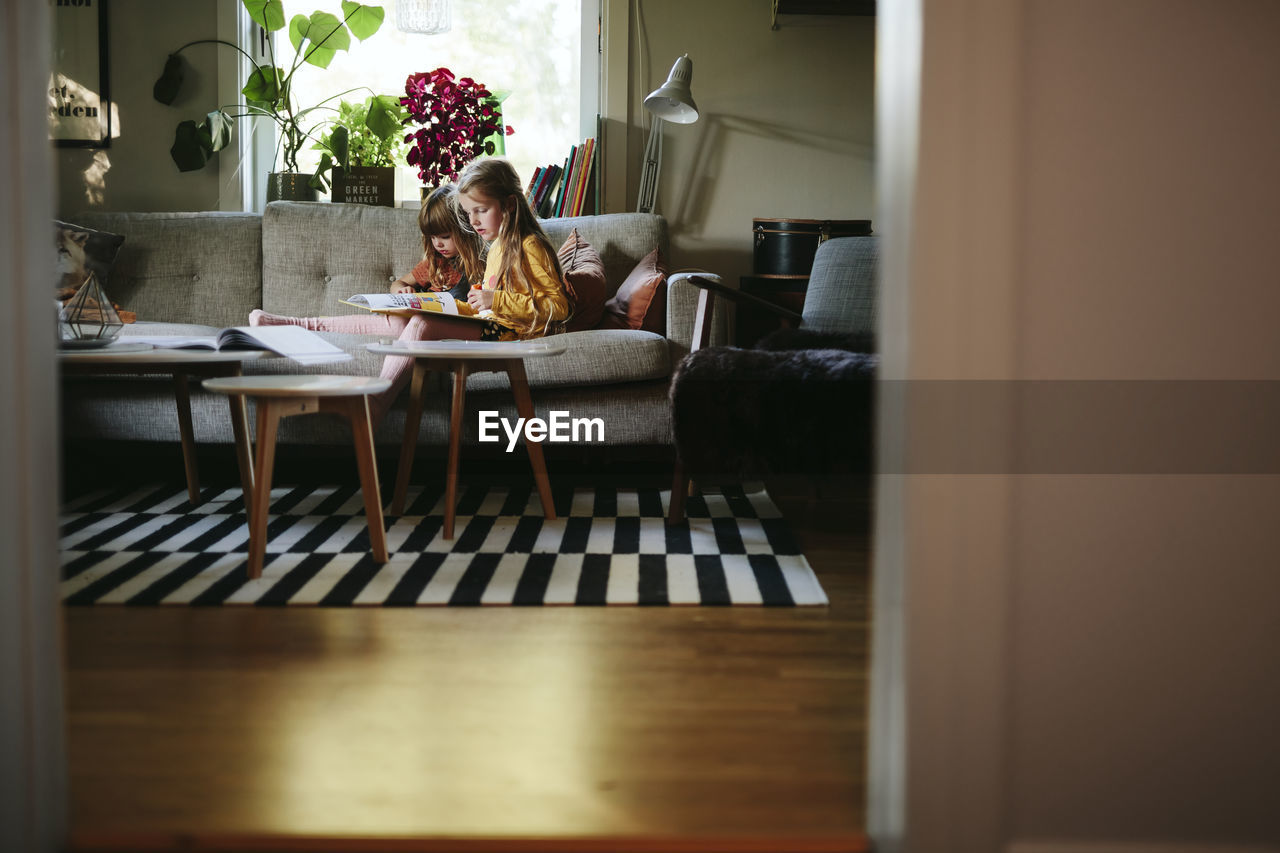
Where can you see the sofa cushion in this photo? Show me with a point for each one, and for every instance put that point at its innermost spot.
(585, 272)
(640, 302)
(619, 238)
(593, 357)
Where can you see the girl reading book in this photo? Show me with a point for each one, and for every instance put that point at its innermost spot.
(450, 262)
(524, 285)
(521, 294)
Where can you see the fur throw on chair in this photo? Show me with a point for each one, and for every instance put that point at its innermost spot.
(791, 409)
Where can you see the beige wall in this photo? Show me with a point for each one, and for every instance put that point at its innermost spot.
(136, 172)
(1147, 635)
(785, 126)
(1090, 661)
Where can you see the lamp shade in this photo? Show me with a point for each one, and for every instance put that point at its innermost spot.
(672, 101)
(423, 16)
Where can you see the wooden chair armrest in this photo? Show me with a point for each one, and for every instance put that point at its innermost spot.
(710, 286)
(733, 294)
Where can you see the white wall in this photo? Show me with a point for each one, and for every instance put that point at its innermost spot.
(785, 127)
(136, 172)
(1088, 661)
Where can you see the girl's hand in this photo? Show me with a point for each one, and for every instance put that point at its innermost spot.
(481, 300)
(404, 284)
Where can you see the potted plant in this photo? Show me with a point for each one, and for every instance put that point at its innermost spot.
(458, 121)
(362, 148)
(269, 91)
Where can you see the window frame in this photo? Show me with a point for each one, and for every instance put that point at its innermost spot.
(243, 177)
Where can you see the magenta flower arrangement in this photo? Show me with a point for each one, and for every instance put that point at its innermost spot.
(456, 119)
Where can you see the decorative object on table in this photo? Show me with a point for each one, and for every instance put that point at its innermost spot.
(459, 120)
(782, 256)
(673, 102)
(269, 92)
(428, 17)
(607, 547)
(79, 102)
(89, 319)
(362, 148)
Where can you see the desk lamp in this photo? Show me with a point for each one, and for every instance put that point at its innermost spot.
(673, 102)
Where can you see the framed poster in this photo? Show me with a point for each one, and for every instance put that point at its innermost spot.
(79, 105)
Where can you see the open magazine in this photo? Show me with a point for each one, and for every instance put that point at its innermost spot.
(411, 303)
(301, 345)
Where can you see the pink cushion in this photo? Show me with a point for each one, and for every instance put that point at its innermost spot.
(584, 271)
(641, 301)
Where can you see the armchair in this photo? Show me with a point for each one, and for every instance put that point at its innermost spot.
(800, 402)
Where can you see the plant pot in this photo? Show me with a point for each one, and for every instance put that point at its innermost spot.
(289, 186)
(365, 185)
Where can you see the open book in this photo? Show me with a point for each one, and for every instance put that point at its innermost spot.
(301, 345)
(411, 303)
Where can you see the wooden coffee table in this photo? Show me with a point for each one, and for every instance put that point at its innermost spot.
(461, 359)
(279, 397)
(140, 359)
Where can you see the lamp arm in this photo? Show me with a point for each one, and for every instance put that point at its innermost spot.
(650, 168)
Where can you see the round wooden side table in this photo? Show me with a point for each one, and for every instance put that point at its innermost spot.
(279, 397)
(462, 358)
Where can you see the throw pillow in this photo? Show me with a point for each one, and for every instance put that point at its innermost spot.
(585, 272)
(82, 251)
(641, 301)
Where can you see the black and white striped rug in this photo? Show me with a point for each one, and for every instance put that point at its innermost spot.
(148, 545)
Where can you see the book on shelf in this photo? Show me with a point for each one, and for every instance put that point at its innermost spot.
(301, 345)
(570, 164)
(407, 304)
(578, 183)
(583, 178)
(597, 180)
(550, 180)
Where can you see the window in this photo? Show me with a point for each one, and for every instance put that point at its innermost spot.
(530, 49)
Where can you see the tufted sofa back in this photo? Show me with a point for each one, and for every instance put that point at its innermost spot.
(185, 267)
(315, 254)
(300, 258)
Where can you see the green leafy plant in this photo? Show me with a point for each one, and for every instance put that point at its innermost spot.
(269, 92)
(365, 134)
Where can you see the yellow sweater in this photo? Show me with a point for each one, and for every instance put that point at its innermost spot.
(529, 315)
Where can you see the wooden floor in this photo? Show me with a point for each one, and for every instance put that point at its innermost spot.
(557, 729)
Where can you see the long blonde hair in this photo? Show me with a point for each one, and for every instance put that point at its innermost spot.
(439, 215)
(497, 178)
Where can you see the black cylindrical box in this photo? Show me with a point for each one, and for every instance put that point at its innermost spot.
(787, 246)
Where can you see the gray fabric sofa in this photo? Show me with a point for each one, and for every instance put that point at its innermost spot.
(192, 273)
